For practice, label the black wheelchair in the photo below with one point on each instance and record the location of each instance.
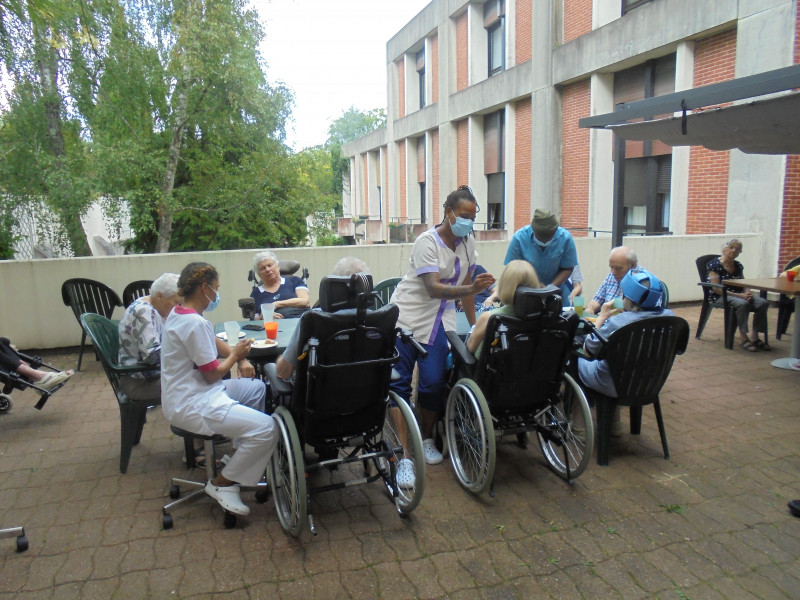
(11, 380)
(340, 404)
(518, 385)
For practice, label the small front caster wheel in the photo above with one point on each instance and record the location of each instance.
(262, 496)
(166, 521)
(5, 403)
(22, 543)
(174, 492)
(229, 521)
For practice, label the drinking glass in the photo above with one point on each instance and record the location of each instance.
(232, 331)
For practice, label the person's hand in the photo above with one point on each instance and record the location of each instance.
(488, 302)
(607, 309)
(242, 349)
(246, 369)
(748, 295)
(482, 281)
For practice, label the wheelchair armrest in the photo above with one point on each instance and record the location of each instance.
(460, 349)
(280, 386)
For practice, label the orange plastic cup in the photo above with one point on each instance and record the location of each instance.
(790, 275)
(271, 329)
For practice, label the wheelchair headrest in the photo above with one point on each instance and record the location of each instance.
(535, 302)
(337, 292)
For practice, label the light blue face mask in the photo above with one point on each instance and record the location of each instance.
(462, 227)
(212, 304)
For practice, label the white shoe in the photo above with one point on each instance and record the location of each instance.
(432, 454)
(405, 476)
(228, 498)
(617, 428)
(51, 380)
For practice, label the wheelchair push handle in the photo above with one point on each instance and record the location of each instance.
(408, 337)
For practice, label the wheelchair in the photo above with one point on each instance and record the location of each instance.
(11, 380)
(518, 385)
(341, 405)
(287, 267)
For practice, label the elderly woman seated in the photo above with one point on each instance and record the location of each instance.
(140, 338)
(289, 295)
(515, 274)
(743, 301)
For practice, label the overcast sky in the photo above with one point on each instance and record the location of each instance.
(332, 54)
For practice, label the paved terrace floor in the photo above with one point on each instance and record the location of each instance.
(711, 522)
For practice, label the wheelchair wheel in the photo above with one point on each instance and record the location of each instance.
(470, 436)
(400, 424)
(287, 475)
(5, 403)
(566, 431)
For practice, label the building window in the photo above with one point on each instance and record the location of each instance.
(421, 178)
(494, 22)
(494, 168)
(647, 195)
(648, 165)
(421, 76)
(629, 5)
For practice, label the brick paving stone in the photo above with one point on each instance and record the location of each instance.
(96, 533)
(422, 574)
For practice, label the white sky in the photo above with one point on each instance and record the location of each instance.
(332, 54)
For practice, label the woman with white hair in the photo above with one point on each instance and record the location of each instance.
(140, 337)
(289, 295)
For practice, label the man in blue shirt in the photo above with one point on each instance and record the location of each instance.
(548, 247)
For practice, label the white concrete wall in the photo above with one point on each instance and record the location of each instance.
(33, 315)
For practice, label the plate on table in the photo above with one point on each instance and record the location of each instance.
(224, 336)
(264, 344)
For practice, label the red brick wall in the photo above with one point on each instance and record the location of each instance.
(435, 175)
(522, 166)
(401, 159)
(790, 217)
(714, 61)
(462, 153)
(577, 18)
(575, 156)
(365, 171)
(462, 52)
(435, 68)
(524, 31)
(401, 88)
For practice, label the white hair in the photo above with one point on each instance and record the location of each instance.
(261, 257)
(348, 265)
(166, 285)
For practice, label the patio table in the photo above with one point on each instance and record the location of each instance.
(286, 328)
(779, 285)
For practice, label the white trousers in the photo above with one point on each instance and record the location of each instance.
(253, 432)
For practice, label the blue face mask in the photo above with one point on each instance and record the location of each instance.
(212, 304)
(461, 227)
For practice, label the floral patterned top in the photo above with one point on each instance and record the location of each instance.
(715, 265)
(140, 338)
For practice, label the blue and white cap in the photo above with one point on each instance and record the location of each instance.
(646, 297)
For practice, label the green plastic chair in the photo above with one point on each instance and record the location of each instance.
(385, 289)
(105, 337)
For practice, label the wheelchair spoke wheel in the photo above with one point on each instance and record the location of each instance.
(401, 434)
(287, 475)
(470, 436)
(566, 431)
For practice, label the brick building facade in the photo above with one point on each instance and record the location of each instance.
(488, 93)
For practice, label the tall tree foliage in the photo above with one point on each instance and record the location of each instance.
(162, 103)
